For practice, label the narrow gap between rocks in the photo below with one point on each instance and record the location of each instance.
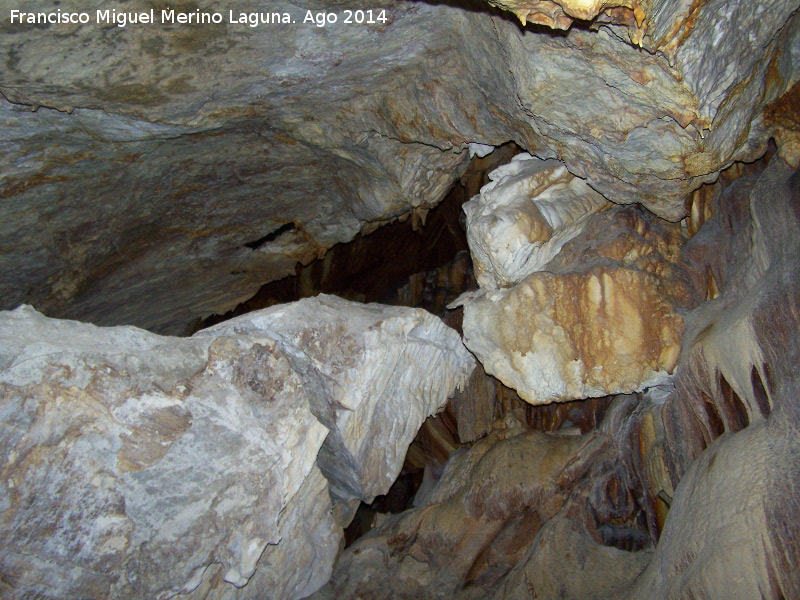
(423, 261)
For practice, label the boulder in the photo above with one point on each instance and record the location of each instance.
(600, 317)
(141, 466)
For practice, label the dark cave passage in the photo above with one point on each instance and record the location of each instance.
(421, 260)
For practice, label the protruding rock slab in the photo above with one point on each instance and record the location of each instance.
(132, 462)
(602, 319)
(383, 370)
(205, 182)
(140, 466)
(521, 220)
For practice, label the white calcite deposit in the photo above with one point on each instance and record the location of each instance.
(141, 466)
(578, 298)
(523, 217)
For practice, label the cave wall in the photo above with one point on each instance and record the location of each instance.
(687, 490)
(155, 174)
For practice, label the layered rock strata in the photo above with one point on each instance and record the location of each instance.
(140, 466)
(154, 174)
(732, 424)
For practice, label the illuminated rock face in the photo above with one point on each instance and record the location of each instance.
(584, 309)
(520, 220)
(388, 369)
(686, 491)
(575, 336)
(139, 188)
(152, 175)
(141, 466)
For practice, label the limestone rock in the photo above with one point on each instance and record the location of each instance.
(781, 118)
(476, 524)
(725, 519)
(140, 466)
(520, 220)
(569, 564)
(732, 423)
(132, 462)
(520, 514)
(141, 189)
(473, 406)
(381, 369)
(730, 428)
(601, 319)
(732, 528)
(559, 14)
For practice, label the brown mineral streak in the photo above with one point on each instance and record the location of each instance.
(609, 318)
(670, 43)
(147, 444)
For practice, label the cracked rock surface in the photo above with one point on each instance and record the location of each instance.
(686, 491)
(141, 466)
(154, 175)
(579, 298)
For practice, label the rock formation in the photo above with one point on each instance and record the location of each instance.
(521, 220)
(663, 499)
(139, 466)
(158, 173)
(633, 297)
(735, 411)
(578, 299)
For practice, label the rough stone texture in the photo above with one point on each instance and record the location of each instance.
(732, 424)
(381, 370)
(155, 174)
(600, 318)
(473, 406)
(523, 509)
(140, 466)
(520, 220)
(782, 120)
(559, 14)
(474, 526)
(132, 462)
(729, 439)
(526, 515)
(590, 572)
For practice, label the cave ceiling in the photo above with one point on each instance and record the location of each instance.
(154, 174)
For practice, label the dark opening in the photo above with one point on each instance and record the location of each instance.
(714, 421)
(761, 396)
(270, 237)
(400, 263)
(732, 407)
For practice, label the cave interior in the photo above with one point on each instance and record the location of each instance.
(424, 299)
